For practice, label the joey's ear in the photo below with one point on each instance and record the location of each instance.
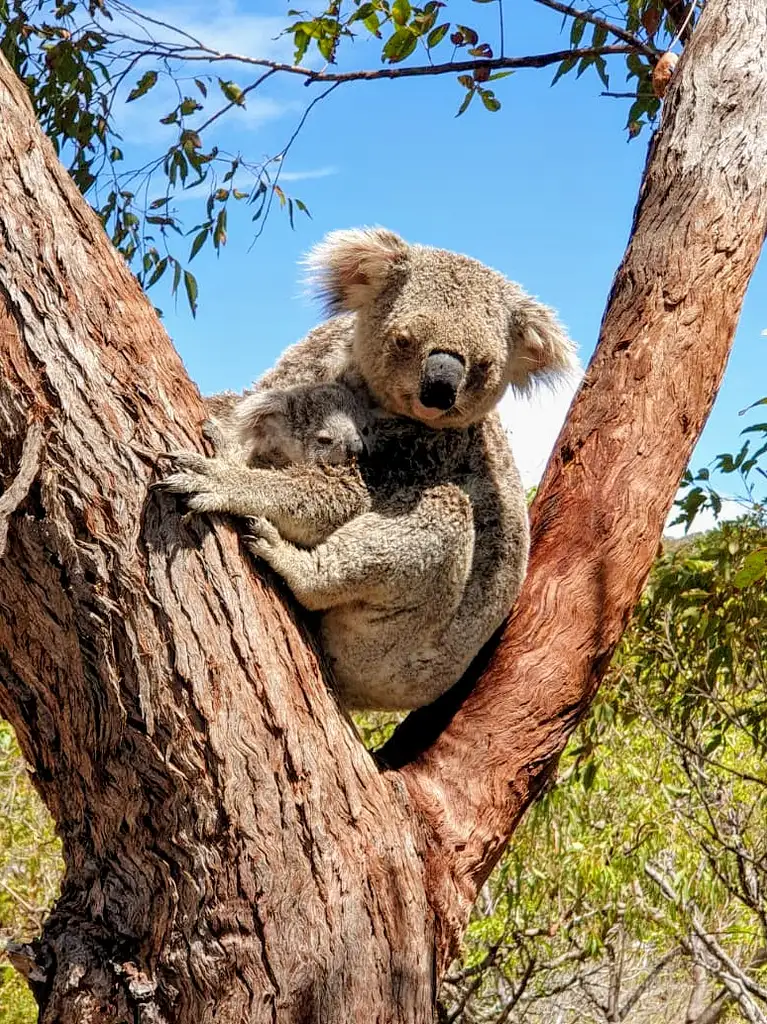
(250, 413)
(540, 351)
(348, 268)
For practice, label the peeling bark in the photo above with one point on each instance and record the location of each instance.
(231, 850)
(232, 853)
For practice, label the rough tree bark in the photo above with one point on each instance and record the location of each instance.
(232, 853)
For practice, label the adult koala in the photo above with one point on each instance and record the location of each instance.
(418, 558)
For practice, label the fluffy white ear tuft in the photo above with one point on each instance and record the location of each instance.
(540, 352)
(349, 268)
(250, 413)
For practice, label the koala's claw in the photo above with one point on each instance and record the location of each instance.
(191, 461)
(260, 528)
(262, 537)
(197, 479)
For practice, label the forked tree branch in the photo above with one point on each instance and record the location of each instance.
(477, 760)
(228, 841)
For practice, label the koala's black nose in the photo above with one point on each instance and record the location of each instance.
(441, 380)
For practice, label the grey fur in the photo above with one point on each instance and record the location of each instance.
(321, 424)
(416, 555)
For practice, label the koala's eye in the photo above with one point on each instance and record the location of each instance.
(478, 374)
(365, 431)
(402, 342)
(324, 440)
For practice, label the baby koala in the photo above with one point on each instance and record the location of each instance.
(310, 424)
(386, 566)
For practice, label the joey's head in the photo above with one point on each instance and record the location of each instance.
(438, 336)
(312, 423)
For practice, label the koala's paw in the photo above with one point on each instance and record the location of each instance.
(262, 539)
(213, 432)
(203, 482)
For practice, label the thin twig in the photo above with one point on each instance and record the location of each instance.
(707, 940)
(678, 13)
(683, 26)
(620, 33)
(539, 60)
(283, 153)
(237, 102)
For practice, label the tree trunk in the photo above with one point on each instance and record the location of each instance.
(232, 852)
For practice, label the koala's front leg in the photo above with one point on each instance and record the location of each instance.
(305, 503)
(404, 557)
(322, 577)
(299, 567)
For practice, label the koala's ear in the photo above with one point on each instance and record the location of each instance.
(539, 349)
(349, 268)
(250, 413)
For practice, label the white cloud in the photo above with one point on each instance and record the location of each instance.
(534, 424)
(139, 123)
(318, 172)
(221, 26)
(247, 181)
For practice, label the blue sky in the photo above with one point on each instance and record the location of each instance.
(543, 190)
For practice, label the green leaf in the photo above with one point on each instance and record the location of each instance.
(466, 101)
(488, 98)
(144, 84)
(372, 24)
(190, 284)
(585, 62)
(176, 276)
(576, 32)
(326, 44)
(589, 774)
(601, 66)
(401, 11)
(635, 66)
(400, 45)
(188, 106)
(437, 34)
(232, 91)
(754, 568)
(362, 12)
(761, 401)
(301, 40)
(201, 86)
(198, 243)
(219, 233)
(600, 36)
(564, 67)
(159, 270)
